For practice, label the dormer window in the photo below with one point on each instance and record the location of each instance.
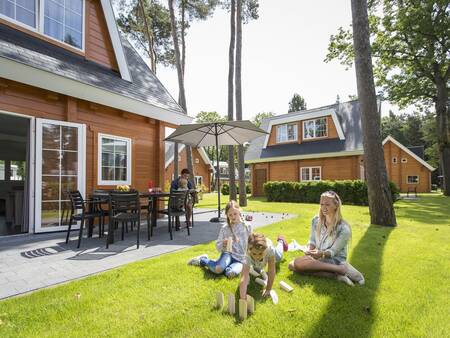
(316, 128)
(22, 12)
(287, 133)
(63, 21)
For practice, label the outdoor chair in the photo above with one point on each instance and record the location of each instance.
(147, 205)
(175, 208)
(88, 212)
(124, 207)
(102, 197)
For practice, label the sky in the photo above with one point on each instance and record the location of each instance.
(282, 54)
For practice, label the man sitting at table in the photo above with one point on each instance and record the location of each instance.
(175, 186)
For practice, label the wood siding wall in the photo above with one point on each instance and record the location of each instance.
(146, 134)
(399, 172)
(98, 42)
(200, 169)
(333, 168)
(349, 168)
(332, 132)
(98, 45)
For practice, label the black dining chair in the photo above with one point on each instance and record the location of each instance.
(124, 207)
(81, 210)
(192, 198)
(176, 207)
(147, 205)
(101, 196)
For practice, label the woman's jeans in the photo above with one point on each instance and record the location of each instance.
(225, 264)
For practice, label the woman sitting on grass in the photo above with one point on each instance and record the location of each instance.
(229, 263)
(326, 253)
(261, 252)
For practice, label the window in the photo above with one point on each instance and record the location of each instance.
(17, 171)
(21, 11)
(310, 174)
(315, 128)
(394, 160)
(114, 158)
(2, 170)
(197, 161)
(287, 132)
(404, 160)
(198, 181)
(63, 21)
(412, 180)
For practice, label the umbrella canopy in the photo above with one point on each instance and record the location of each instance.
(213, 133)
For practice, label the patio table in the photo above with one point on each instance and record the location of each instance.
(153, 197)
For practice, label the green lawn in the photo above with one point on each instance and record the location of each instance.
(406, 293)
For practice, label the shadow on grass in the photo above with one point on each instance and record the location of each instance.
(427, 210)
(350, 310)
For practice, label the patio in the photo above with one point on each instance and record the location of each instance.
(32, 262)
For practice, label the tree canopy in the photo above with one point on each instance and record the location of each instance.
(297, 103)
(411, 49)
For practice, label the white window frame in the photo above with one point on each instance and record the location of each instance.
(404, 160)
(408, 182)
(310, 174)
(100, 181)
(83, 20)
(21, 24)
(394, 160)
(284, 128)
(314, 130)
(198, 180)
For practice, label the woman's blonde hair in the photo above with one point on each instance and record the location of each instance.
(257, 241)
(337, 219)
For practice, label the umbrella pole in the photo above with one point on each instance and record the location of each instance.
(217, 219)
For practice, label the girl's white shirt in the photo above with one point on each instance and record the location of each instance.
(239, 233)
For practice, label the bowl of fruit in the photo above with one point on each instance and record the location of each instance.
(123, 188)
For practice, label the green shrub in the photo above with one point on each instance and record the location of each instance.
(226, 189)
(351, 192)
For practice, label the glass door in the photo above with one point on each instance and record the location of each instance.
(60, 149)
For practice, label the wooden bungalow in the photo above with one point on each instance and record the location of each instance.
(79, 109)
(326, 144)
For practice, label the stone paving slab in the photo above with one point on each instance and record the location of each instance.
(34, 261)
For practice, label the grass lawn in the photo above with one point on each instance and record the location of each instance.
(407, 291)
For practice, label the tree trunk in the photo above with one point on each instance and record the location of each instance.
(443, 128)
(151, 41)
(182, 96)
(380, 200)
(231, 167)
(241, 164)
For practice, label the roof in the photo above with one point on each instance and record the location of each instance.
(170, 147)
(349, 120)
(409, 152)
(29, 60)
(418, 150)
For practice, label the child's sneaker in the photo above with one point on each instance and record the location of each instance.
(285, 244)
(196, 260)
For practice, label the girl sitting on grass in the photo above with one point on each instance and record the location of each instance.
(326, 253)
(261, 252)
(229, 263)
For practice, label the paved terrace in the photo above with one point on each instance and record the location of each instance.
(31, 262)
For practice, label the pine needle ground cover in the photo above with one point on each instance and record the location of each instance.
(406, 293)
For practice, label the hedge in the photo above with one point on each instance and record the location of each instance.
(226, 189)
(351, 192)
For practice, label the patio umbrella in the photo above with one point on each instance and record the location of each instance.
(213, 134)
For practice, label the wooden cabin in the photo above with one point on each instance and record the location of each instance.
(79, 109)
